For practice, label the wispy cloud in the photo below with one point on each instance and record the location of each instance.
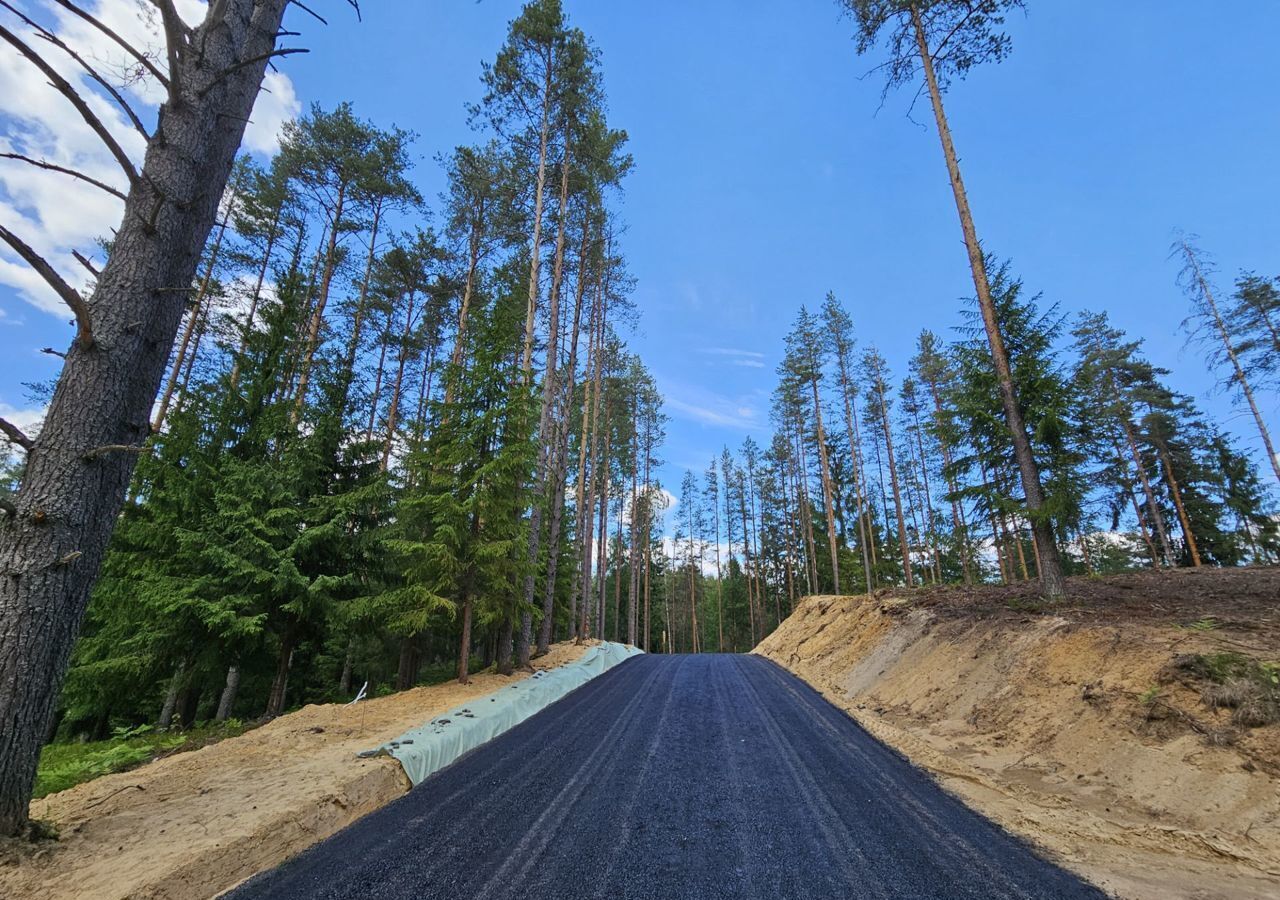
(696, 403)
(734, 356)
(731, 351)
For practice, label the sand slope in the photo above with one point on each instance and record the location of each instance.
(194, 824)
(1047, 723)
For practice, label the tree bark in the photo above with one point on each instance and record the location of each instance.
(171, 696)
(1051, 570)
(227, 701)
(280, 684)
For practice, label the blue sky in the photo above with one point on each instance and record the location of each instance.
(766, 176)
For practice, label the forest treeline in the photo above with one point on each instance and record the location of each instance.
(391, 428)
(871, 480)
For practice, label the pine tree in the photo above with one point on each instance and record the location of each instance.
(919, 32)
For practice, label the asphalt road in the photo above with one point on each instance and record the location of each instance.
(675, 777)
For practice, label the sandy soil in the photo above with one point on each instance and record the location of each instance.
(1072, 725)
(192, 825)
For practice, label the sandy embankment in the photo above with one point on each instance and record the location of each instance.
(1067, 729)
(194, 824)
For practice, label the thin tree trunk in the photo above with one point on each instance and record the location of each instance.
(1225, 336)
(393, 408)
(348, 668)
(322, 300)
(197, 307)
(560, 458)
(1157, 518)
(746, 555)
(893, 479)
(361, 310)
(928, 497)
(602, 563)
(957, 512)
(1051, 571)
(1176, 493)
(548, 399)
(176, 684)
(468, 603)
(633, 540)
(227, 701)
(855, 452)
(827, 501)
(256, 297)
(464, 310)
(280, 684)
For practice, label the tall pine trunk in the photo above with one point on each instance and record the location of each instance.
(1051, 571)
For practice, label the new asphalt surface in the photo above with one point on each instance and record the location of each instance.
(673, 777)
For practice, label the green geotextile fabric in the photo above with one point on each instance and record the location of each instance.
(429, 748)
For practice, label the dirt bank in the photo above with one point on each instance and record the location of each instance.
(197, 823)
(1119, 731)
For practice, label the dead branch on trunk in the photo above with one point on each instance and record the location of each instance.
(69, 295)
(285, 51)
(42, 164)
(84, 261)
(142, 58)
(64, 87)
(93, 73)
(175, 39)
(15, 434)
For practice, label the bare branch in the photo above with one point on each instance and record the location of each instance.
(287, 51)
(310, 11)
(52, 38)
(175, 43)
(64, 87)
(42, 164)
(84, 261)
(14, 433)
(69, 295)
(52, 352)
(129, 48)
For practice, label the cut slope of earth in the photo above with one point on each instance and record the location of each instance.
(194, 824)
(1094, 727)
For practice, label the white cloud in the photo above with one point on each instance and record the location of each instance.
(277, 104)
(731, 351)
(50, 211)
(698, 404)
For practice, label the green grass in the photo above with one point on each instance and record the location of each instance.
(64, 766)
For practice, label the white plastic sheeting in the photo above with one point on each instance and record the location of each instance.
(429, 748)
